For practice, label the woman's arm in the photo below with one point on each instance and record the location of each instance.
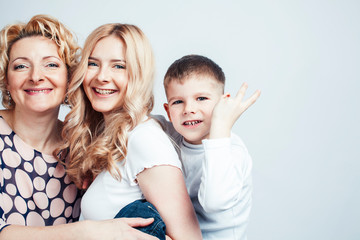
(121, 228)
(164, 187)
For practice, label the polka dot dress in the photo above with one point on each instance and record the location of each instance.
(35, 190)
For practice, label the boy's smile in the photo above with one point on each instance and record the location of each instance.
(190, 105)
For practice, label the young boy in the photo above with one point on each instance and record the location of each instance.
(216, 163)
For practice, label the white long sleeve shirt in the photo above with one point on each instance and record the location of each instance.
(218, 179)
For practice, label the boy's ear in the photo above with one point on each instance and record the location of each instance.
(166, 107)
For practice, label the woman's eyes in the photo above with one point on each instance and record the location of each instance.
(20, 66)
(92, 64)
(53, 65)
(118, 66)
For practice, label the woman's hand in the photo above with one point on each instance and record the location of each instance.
(120, 228)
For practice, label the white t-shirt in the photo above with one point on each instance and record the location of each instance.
(148, 146)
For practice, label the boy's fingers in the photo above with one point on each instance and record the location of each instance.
(252, 99)
(241, 93)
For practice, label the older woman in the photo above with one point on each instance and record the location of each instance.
(37, 197)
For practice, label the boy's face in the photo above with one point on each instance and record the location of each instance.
(190, 105)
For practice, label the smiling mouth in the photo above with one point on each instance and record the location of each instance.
(191, 123)
(37, 91)
(104, 91)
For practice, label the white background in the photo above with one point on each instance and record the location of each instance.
(303, 132)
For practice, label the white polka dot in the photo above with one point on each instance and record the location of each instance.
(1, 177)
(57, 206)
(67, 179)
(8, 141)
(68, 211)
(28, 167)
(26, 152)
(34, 219)
(53, 188)
(70, 193)
(7, 203)
(11, 189)
(39, 183)
(59, 221)
(31, 205)
(16, 218)
(24, 183)
(51, 171)
(11, 158)
(20, 204)
(1, 145)
(40, 166)
(59, 171)
(41, 200)
(45, 214)
(7, 173)
(49, 158)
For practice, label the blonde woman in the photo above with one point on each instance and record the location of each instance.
(114, 141)
(37, 198)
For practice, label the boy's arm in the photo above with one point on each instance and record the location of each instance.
(227, 163)
(226, 169)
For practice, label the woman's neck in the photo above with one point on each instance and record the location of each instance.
(41, 131)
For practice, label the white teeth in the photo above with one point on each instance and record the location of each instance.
(37, 91)
(191, 123)
(103, 91)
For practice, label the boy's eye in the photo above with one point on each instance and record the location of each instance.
(201, 98)
(177, 102)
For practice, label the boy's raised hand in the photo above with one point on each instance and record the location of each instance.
(228, 110)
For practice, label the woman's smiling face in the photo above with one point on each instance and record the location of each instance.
(37, 76)
(106, 78)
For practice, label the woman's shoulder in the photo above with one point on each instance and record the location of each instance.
(148, 125)
(149, 132)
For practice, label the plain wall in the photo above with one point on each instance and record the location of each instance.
(303, 132)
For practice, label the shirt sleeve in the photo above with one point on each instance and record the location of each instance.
(226, 167)
(149, 146)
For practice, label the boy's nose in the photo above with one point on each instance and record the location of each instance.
(189, 108)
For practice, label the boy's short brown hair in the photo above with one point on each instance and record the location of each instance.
(190, 65)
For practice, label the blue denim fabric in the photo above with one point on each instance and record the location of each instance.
(144, 209)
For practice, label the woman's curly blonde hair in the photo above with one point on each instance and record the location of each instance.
(39, 25)
(94, 147)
